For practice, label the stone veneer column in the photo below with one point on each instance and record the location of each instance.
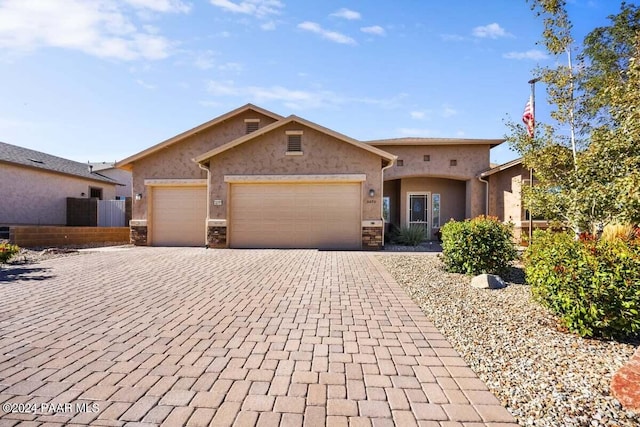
(138, 233)
(372, 235)
(216, 233)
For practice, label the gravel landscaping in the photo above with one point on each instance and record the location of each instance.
(543, 375)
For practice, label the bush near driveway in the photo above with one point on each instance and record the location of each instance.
(7, 251)
(592, 285)
(410, 236)
(477, 246)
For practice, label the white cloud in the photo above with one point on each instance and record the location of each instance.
(231, 66)
(374, 29)
(99, 28)
(491, 31)
(348, 14)
(533, 54)
(204, 60)
(294, 99)
(447, 111)
(257, 8)
(333, 36)
(452, 37)
(418, 115)
(164, 6)
(145, 84)
(416, 132)
(268, 26)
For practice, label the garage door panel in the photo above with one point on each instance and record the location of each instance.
(178, 216)
(303, 215)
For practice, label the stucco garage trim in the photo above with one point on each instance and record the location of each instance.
(174, 182)
(245, 179)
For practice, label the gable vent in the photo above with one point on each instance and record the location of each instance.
(251, 125)
(294, 143)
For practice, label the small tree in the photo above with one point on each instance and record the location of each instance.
(587, 163)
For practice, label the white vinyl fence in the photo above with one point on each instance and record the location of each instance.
(111, 213)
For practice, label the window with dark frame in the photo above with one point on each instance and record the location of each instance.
(426, 158)
(95, 192)
(453, 162)
(400, 162)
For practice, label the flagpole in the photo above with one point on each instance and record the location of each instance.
(532, 82)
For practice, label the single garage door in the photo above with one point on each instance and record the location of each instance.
(178, 217)
(296, 215)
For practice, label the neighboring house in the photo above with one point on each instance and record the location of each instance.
(254, 179)
(123, 177)
(505, 183)
(34, 186)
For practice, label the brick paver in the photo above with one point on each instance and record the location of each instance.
(189, 336)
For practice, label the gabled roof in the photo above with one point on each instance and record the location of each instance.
(501, 167)
(203, 157)
(126, 162)
(436, 141)
(38, 160)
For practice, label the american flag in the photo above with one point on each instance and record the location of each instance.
(527, 117)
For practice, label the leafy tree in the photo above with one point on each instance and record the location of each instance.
(587, 164)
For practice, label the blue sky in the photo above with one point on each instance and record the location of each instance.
(100, 80)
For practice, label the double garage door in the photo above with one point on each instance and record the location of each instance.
(295, 215)
(264, 215)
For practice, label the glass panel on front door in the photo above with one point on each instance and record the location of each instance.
(419, 211)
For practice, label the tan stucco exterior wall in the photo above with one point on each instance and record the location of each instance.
(452, 196)
(323, 155)
(176, 162)
(505, 190)
(36, 197)
(471, 160)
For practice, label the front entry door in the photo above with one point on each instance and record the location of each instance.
(418, 211)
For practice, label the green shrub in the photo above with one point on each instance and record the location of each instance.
(7, 251)
(410, 236)
(592, 285)
(476, 246)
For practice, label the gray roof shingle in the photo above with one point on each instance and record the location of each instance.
(36, 159)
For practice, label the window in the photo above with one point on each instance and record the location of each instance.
(294, 142)
(386, 208)
(426, 158)
(453, 162)
(400, 162)
(435, 210)
(95, 192)
(252, 125)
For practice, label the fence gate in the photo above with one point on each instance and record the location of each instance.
(111, 213)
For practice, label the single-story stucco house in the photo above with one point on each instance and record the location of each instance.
(254, 179)
(34, 186)
(122, 176)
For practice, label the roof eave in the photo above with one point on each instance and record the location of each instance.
(126, 163)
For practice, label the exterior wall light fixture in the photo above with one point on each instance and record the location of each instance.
(138, 196)
(372, 192)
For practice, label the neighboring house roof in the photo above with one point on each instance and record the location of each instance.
(435, 141)
(37, 160)
(501, 167)
(126, 162)
(203, 157)
(100, 166)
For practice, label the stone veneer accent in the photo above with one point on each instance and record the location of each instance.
(138, 235)
(216, 237)
(372, 238)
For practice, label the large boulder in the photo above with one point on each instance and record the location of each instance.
(488, 281)
(625, 384)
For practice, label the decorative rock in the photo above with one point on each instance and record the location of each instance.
(625, 384)
(487, 281)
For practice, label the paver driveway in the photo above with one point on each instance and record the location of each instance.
(218, 337)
